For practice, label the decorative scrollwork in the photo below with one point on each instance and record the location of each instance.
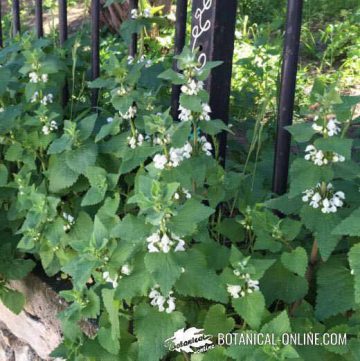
(201, 28)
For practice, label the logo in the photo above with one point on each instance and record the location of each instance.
(191, 340)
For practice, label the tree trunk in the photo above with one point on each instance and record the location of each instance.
(114, 15)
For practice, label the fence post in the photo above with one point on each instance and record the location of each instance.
(95, 41)
(16, 17)
(287, 95)
(180, 38)
(63, 34)
(1, 29)
(134, 5)
(39, 18)
(213, 32)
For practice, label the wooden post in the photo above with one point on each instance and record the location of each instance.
(16, 17)
(39, 18)
(213, 32)
(287, 95)
(95, 46)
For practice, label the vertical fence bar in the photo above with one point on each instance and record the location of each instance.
(213, 32)
(1, 29)
(63, 34)
(16, 17)
(134, 5)
(95, 42)
(180, 38)
(39, 18)
(287, 95)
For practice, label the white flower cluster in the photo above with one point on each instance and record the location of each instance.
(186, 115)
(47, 129)
(328, 202)
(318, 157)
(135, 13)
(136, 140)
(35, 78)
(185, 192)
(130, 113)
(161, 242)
(206, 146)
(176, 156)
(125, 270)
(330, 129)
(166, 139)
(192, 87)
(45, 99)
(237, 291)
(166, 304)
(70, 221)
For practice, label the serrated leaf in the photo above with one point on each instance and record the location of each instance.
(335, 293)
(164, 268)
(302, 132)
(86, 126)
(278, 325)
(191, 102)
(112, 308)
(12, 299)
(60, 175)
(216, 321)
(132, 229)
(251, 308)
(3, 175)
(279, 283)
(321, 225)
(335, 144)
(106, 340)
(152, 328)
(199, 280)
(350, 226)
(78, 160)
(186, 221)
(305, 175)
(354, 261)
(295, 261)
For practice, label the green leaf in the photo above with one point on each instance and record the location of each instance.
(335, 289)
(213, 127)
(305, 175)
(173, 76)
(106, 340)
(280, 284)
(132, 229)
(335, 144)
(152, 328)
(186, 221)
(302, 132)
(278, 325)
(3, 175)
(60, 145)
(295, 261)
(251, 308)
(86, 126)
(13, 300)
(354, 261)
(112, 308)
(164, 268)
(216, 321)
(80, 270)
(60, 175)
(191, 102)
(321, 225)
(199, 280)
(350, 226)
(78, 160)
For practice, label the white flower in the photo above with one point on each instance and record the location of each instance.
(206, 146)
(176, 196)
(47, 99)
(2, 110)
(160, 161)
(185, 114)
(177, 155)
(109, 120)
(113, 281)
(130, 114)
(44, 78)
(331, 128)
(187, 193)
(163, 303)
(192, 87)
(45, 129)
(134, 14)
(328, 202)
(33, 77)
(147, 13)
(234, 290)
(130, 60)
(164, 243)
(35, 97)
(318, 157)
(206, 110)
(126, 270)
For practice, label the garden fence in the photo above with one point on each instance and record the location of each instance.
(213, 30)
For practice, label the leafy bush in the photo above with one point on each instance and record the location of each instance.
(154, 234)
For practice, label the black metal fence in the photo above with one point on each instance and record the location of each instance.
(213, 29)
